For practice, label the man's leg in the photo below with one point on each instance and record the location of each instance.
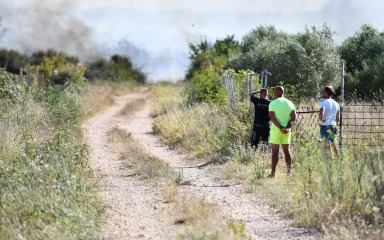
(325, 137)
(265, 136)
(334, 140)
(334, 146)
(288, 158)
(255, 137)
(275, 158)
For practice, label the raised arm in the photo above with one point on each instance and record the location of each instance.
(253, 93)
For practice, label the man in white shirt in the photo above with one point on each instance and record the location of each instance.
(329, 117)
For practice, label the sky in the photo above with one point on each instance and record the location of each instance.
(155, 33)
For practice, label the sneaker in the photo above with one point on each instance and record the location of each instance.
(289, 175)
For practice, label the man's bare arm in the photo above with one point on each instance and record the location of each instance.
(274, 120)
(253, 93)
(337, 118)
(321, 114)
(292, 120)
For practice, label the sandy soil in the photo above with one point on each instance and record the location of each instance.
(133, 206)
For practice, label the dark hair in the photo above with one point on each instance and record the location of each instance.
(329, 90)
(280, 88)
(263, 91)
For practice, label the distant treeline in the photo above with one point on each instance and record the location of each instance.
(117, 68)
(309, 59)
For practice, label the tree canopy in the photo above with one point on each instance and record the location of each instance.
(308, 58)
(364, 60)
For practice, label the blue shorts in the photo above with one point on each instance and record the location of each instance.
(328, 133)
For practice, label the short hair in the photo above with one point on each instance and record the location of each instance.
(263, 91)
(329, 90)
(280, 88)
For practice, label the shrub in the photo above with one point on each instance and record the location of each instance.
(8, 88)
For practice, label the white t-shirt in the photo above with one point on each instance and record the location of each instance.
(330, 110)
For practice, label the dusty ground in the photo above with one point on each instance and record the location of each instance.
(134, 207)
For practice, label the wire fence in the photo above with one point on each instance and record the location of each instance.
(306, 127)
(362, 124)
(40, 77)
(237, 89)
(362, 121)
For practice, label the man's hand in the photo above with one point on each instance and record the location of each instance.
(284, 130)
(253, 93)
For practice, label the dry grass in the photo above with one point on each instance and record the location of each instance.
(168, 96)
(149, 166)
(132, 107)
(200, 218)
(99, 95)
(203, 221)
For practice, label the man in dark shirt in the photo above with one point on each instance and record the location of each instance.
(261, 123)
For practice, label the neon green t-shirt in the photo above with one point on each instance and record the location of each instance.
(282, 108)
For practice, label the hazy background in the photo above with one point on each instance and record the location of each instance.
(155, 33)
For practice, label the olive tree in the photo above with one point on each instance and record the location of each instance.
(308, 58)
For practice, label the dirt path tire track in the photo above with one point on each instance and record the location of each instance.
(125, 195)
(132, 206)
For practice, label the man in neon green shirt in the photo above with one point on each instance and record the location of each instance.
(282, 114)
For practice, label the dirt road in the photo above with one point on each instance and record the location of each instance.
(133, 206)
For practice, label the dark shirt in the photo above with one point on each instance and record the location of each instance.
(261, 111)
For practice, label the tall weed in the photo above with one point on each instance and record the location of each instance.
(205, 129)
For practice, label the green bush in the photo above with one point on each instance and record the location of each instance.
(44, 187)
(12, 60)
(120, 68)
(8, 86)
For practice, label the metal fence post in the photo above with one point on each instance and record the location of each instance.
(225, 83)
(21, 75)
(251, 82)
(29, 77)
(342, 104)
(232, 91)
(248, 88)
(264, 76)
(37, 75)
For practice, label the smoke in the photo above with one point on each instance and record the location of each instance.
(39, 25)
(156, 33)
(2, 30)
(166, 64)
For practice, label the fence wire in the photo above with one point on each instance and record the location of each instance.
(306, 127)
(363, 124)
(362, 120)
